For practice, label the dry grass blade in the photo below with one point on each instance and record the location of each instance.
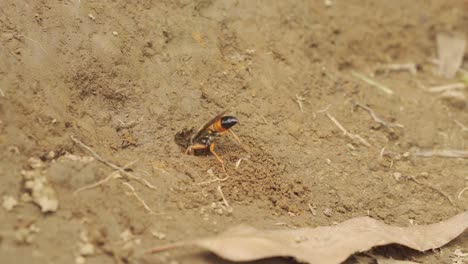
(346, 133)
(112, 165)
(375, 117)
(463, 127)
(326, 244)
(377, 85)
(446, 87)
(444, 153)
(435, 189)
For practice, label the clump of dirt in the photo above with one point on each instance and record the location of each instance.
(262, 178)
(94, 80)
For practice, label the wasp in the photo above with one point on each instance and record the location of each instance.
(201, 142)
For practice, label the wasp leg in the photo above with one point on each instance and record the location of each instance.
(190, 149)
(218, 158)
(238, 140)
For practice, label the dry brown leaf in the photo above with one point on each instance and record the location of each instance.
(327, 244)
(450, 49)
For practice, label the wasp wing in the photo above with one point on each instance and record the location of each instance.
(206, 125)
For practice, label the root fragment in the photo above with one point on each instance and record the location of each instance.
(138, 197)
(446, 196)
(375, 117)
(348, 134)
(112, 165)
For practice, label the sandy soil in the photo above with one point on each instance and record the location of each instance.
(124, 76)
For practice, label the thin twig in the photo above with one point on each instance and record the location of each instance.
(410, 67)
(373, 83)
(435, 189)
(138, 197)
(264, 120)
(112, 165)
(324, 109)
(112, 175)
(312, 209)
(299, 100)
(446, 87)
(444, 153)
(2, 93)
(463, 127)
(346, 133)
(130, 124)
(222, 196)
(375, 117)
(461, 193)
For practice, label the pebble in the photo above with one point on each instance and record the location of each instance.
(328, 212)
(455, 99)
(397, 176)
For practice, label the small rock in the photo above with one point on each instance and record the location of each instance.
(9, 202)
(50, 155)
(91, 17)
(455, 99)
(39, 188)
(115, 33)
(35, 163)
(397, 176)
(87, 249)
(328, 212)
(294, 129)
(158, 235)
(80, 260)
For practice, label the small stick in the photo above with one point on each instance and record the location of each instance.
(113, 175)
(264, 120)
(138, 197)
(2, 93)
(375, 117)
(435, 189)
(373, 83)
(130, 124)
(167, 247)
(447, 87)
(461, 193)
(324, 109)
(222, 196)
(444, 153)
(312, 209)
(346, 133)
(411, 67)
(112, 165)
(238, 162)
(299, 100)
(382, 152)
(463, 127)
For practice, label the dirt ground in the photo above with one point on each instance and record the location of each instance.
(124, 76)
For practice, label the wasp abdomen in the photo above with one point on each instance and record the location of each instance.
(224, 123)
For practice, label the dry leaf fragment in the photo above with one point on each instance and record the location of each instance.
(326, 244)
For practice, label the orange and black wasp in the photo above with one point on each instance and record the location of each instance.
(201, 142)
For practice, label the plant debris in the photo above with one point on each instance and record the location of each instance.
(326, 244)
